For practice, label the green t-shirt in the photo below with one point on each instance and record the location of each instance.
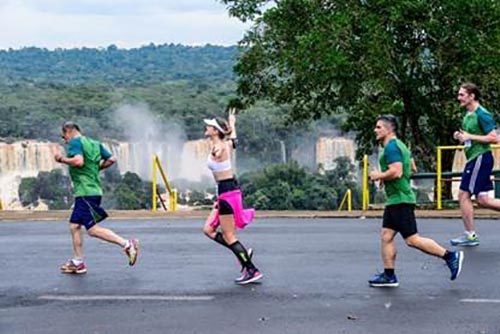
(85, 179)
(397, 190)
(478, 122)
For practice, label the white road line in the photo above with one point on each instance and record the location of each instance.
(71, 298)
(481, 301)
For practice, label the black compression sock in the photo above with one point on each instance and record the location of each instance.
(447, 255)
(220, 239)
(242, 255)
(389, 272)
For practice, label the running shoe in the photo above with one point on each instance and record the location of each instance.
(250, 276)
(132, 251)
(250, 254)
(70, 268)
(381, 280)
(454, 262)
(243, 269)
(465, 240)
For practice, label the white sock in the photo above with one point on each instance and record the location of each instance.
(77, 261)
(127, 244)
(470, 233)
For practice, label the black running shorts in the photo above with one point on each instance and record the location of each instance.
(224, 186)
(401, 218)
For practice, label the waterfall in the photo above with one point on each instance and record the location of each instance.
(330, 148)
(185, 160)
(283, 151)
(23, 159)
(193, 160)
(27, 158)
(137, 157)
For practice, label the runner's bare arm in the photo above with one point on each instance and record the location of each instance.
(107, 163)
(394, 171)
(232, 123)
(490, 138)
(76, 161)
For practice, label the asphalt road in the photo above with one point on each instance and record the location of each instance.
(316, 273)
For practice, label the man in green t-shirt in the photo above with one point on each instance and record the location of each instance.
(477, 134)
(399, 215)
(85, 158)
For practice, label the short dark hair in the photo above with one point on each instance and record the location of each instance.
(389, 119)
(69, 125)
(472, 89)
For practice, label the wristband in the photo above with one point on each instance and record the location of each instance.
(235, 141)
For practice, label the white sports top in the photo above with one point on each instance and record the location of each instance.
(216, 166)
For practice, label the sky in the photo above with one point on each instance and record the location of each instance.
(125, 23)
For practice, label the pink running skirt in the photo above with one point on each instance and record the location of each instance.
(242, 217)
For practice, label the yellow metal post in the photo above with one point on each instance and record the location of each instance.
(162, 174)
(172, 193)
(438, 179)
(366, 191)
(349, 200)
(172, 200)
(153, 195)
(347, 197)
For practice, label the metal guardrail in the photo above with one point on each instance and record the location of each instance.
(439, 176)
(440, 173)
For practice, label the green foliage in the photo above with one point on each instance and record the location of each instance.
(197, 198)
(152, 64)
(131, 193)
(365, 58)
(28, 191)
(45, 98)
(45, 107)
(181, 84)
(291, 187)
(127, 192)
(53, 188)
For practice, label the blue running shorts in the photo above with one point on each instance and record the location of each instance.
(476, 177)
(87, 211)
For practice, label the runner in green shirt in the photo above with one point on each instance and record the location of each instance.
(477, 134)
(399, 215)
(85, 158)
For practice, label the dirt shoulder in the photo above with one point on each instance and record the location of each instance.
(143, 214)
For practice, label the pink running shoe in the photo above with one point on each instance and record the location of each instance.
(251, 276)
(243, 269)
(70, 268)
(132, 251)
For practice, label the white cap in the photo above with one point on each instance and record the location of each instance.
(213, 122)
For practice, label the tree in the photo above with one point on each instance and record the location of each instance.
(290, 187)
(342, 178)
(368, 57)
(132, 193)
(53, 187)
(27, 191)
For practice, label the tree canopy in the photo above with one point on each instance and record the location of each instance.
(365, 58)
(151, 64)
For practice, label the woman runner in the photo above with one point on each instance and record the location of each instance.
(228, 212)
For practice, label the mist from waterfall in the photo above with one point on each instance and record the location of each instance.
(146, 135)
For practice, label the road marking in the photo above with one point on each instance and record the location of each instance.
(71, 298)
(481, 301)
